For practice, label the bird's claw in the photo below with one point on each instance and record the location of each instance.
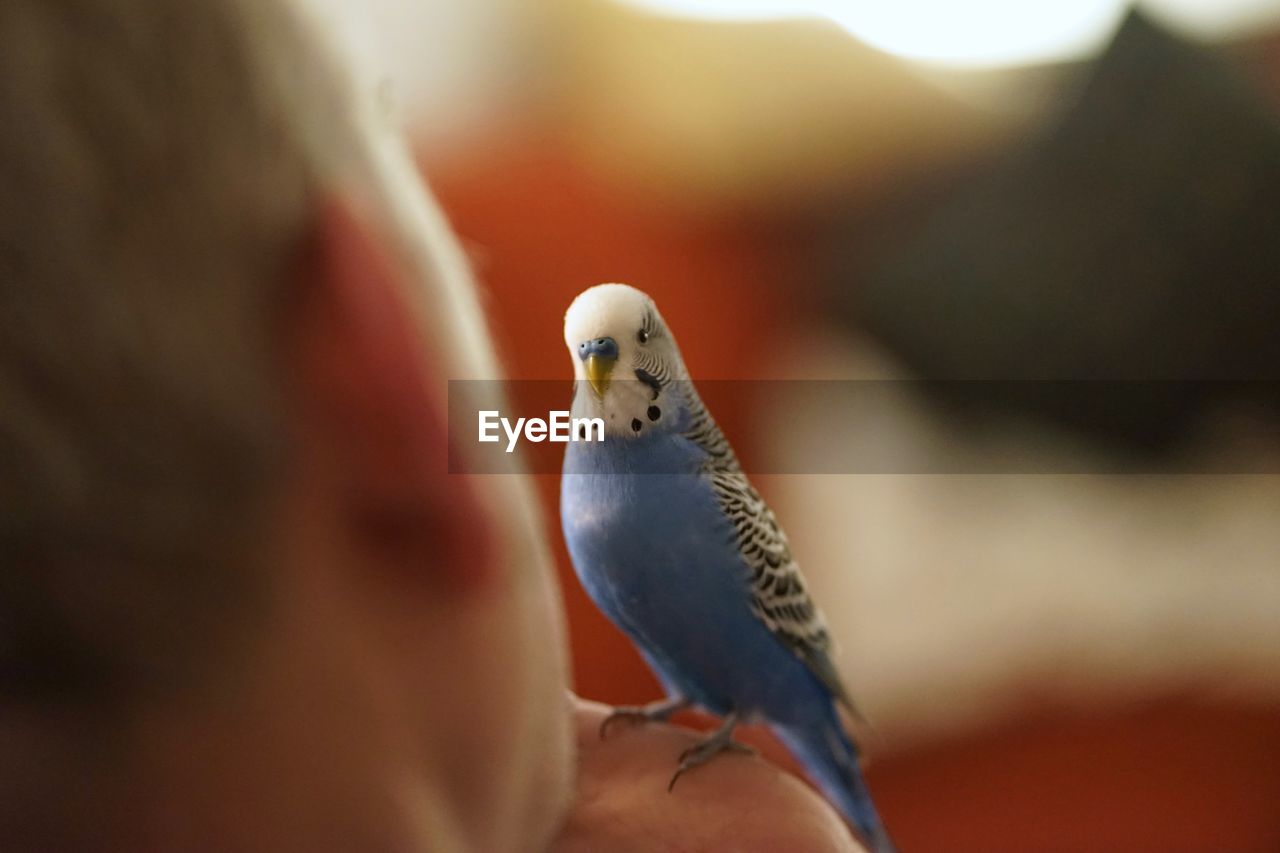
(693, 755)
(708, 748)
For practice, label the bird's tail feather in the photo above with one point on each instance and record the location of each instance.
(832, 760)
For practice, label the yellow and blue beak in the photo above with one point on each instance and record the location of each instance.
(598, 358)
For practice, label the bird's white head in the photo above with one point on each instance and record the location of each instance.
(627, 358)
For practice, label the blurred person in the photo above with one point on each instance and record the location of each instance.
(244, 605)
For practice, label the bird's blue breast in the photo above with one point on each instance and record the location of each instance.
(657, 554)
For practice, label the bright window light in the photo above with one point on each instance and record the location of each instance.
(976, 33)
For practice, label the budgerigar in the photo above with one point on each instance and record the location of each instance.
(674, 544)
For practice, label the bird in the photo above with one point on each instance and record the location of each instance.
(672, 542)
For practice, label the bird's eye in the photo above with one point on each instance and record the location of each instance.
(642, 336)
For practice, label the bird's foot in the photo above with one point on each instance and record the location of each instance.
(654, 712)
(721, 740)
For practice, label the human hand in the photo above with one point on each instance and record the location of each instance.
(734, 803)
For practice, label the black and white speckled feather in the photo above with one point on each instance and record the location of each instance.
(779, 597)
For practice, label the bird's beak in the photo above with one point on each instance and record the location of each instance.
(598, 368)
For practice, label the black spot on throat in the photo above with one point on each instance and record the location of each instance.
(654, 413)
(635, 424)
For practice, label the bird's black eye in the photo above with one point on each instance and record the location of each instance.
(642, 336)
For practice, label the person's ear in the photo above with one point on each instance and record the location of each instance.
(367, 403)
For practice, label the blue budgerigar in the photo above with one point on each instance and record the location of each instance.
(674, 544)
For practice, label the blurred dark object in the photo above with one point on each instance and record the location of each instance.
(1137, 240)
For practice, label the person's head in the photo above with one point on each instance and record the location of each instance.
(242, 599)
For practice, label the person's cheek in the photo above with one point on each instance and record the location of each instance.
(515, 670)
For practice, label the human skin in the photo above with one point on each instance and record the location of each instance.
(400, 682)
(736, 802)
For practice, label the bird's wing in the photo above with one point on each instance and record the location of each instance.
(779, 597)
